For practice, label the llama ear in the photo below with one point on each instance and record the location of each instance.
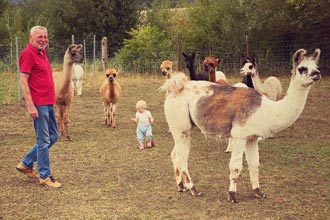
(254, 59)
(79, 46)
(219, 60)
(183, 54)
(193, 55)
(243, 59)
(298, 56)
(316, 55)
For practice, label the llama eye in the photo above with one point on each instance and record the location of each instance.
(251, 67)
(302, 70)
(167, 68)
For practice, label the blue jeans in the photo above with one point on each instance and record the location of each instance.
(46, 131)
(142, 131)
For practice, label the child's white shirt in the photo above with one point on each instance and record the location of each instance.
(143, 118)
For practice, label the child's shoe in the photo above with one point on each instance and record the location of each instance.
(149, 143)
(141, 146)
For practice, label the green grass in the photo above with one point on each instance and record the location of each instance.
(105, 176)
(8, 88)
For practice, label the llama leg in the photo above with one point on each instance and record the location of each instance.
(252, 157)
(105, 113)
(113, 115)
(235, 166)
(180, 156)
(66, 113)
(59, 118)
(79, 87)
(228, 149)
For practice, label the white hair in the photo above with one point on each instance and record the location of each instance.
(38, 27)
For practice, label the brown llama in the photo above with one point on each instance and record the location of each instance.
(110, 92)
(63, 89)
(210, 67)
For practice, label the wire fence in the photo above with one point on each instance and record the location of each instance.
(273, 58)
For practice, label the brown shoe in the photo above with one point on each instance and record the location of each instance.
(51, 182)
(29, 172)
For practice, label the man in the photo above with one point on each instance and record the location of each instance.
(38, 89)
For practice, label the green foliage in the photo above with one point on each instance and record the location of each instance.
(85, 18)
(147, 47)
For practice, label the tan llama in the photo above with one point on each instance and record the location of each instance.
(110, 92)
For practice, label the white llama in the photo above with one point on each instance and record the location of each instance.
(77, 79)
(244, 115)
(271, 87)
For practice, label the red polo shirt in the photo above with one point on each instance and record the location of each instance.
(41, 82)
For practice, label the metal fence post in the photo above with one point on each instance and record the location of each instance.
(94, 64)
(85, 61)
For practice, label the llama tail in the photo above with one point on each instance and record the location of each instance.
(175, 84)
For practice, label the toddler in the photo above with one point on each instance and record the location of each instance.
(144, 119)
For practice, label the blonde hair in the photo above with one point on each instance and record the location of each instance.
(141, 104)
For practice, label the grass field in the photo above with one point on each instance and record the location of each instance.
(105, 176)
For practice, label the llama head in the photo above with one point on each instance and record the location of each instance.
(73, 53)
(111, 74)
(305, 69)
(249, 66)
(211, 64)
(166, 68)
(190, 59)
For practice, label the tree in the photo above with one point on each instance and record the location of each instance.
(85, 18)
(145, 50)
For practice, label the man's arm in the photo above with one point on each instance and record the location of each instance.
(27, 95)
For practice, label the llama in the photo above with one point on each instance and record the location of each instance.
(271, 87)
(63, 88)
(77, 78)
(110, 92)
(244, 115)
(208, 62)
(210, 67)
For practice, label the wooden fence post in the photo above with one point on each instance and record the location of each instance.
(104, 53)
(179, 52)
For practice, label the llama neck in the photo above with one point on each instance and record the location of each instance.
(212, 75)
(278, 115)
(67, 71)
(192, 73)
(247, 80)
(111, 90)
(257, 83)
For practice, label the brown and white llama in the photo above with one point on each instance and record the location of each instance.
(110, 91)
(207, 63)
(244, 115)
(63, 88)
(271, 87)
